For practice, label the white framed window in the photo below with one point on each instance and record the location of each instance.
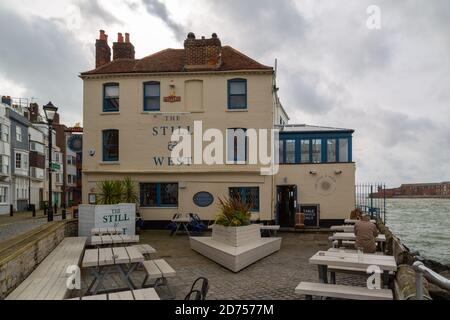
(3, 194)
(19, 133)
(18, 160)
(36, 146)
(4, 131)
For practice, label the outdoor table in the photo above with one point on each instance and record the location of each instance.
(106, 231)
(271, 228)
(113, 240)
(353, 221)
(350, 236)
(323, 259)
(100, 261)
(182, 222)
(343, 228)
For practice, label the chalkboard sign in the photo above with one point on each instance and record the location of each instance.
(312, 214)
(203, 199)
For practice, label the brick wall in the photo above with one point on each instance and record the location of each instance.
(203, 52)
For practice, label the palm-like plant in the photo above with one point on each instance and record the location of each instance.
(110, 192)
(129, 194)
(234, 212)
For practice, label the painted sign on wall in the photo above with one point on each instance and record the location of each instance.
(75, 142)
(103, 216)
(311, 212)
(203, 199)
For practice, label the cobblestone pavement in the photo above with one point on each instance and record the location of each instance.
(272, 278)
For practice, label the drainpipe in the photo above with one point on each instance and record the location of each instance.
(29, 171)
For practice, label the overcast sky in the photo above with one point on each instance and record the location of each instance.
(391, 85)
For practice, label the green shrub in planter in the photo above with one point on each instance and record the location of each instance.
(234, 212)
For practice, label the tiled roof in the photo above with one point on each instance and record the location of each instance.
(172, 60)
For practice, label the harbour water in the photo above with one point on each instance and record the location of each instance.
(423, 225)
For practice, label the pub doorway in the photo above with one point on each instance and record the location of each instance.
(286, 205)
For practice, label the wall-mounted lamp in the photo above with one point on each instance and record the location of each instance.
(338, 171)
(285, 180)
(313, 172)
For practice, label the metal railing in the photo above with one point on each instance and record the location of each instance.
(371, 199)
(435, 278)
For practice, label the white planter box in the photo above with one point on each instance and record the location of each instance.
(103, 216)
(236, 236)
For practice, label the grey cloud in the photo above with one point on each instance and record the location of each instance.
(159, 9)
(261, 26)
(92, 10)
(45, 58)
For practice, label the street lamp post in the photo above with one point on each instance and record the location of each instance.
(50, 111)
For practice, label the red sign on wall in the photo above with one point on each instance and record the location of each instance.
(172, 99)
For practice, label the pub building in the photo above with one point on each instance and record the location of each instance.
(132, 107)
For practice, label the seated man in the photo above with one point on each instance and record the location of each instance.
(366, 233)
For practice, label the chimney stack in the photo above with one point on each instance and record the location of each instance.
(123, 49)
(102, 50)
(34, 112)
(202, 53)
(7, 100)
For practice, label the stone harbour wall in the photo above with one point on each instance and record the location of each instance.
(20, 255)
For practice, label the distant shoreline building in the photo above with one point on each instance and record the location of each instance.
(417, 190)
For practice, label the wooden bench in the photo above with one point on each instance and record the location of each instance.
(352, 251)
(145, 249)
(48, 280)
(158, 270)
(141, 294)
(310, 289)
(345, 244)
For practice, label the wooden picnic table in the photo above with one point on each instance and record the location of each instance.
(343, 228)
(324, 259)
(106, 231)
(271, 228)
(113, 240)
(353, 221)
(350, 236)
(182, 222)
(124, 259)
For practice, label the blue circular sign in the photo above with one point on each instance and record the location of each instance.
(203, 199)
(75, 143)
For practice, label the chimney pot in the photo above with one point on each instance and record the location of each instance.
(102, 35)
(102, 50)
(123, 49)
(214, 35)
(191, 35)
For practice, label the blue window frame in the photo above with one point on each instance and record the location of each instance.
(154, 195)
(111, 100)
(315, 148)
(152, 96)
(110, 145)
(247, 194)
(237, 145)
(237, 94)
